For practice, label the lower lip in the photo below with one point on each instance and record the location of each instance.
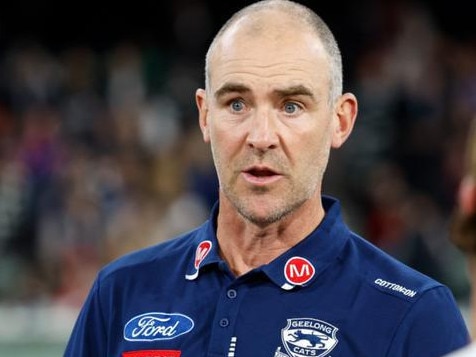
(261, 180)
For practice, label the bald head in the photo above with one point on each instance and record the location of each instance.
(271, 19)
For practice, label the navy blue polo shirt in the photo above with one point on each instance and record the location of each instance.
(333, 294)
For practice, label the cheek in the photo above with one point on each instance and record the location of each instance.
(219, 140)
(223, 148)
(226, 139)
(315, 156)
(316, 143)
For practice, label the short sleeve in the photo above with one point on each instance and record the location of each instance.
(433, 327)
(88, 337)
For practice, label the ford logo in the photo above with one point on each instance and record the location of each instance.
(153, 326)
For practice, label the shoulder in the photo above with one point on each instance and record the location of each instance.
(386, 274)
(153, 260)
(416, 306)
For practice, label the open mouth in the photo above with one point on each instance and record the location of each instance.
(260, 175)
(261, 172)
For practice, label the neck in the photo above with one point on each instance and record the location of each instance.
(246, 246)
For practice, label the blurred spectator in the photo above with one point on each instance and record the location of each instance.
(98, 154)
(464, 219)
(464, 229)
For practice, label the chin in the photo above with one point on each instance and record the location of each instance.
(265, 216)
(263, 209)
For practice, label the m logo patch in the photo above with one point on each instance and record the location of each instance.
(298, 271)
(303, 337)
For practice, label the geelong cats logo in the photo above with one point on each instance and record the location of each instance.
(309, 337)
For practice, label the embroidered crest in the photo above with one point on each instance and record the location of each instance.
(309, 337)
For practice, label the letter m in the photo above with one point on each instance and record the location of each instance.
(299, 271)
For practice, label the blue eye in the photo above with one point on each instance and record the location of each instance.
(291, 108)
(237, 106)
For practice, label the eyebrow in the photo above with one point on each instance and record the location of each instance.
(231, 88)
(294, 91)
(283, 92)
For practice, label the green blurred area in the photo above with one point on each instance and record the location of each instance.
(36, 349)
(35, 330)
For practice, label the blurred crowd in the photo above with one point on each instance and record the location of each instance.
(100, 151)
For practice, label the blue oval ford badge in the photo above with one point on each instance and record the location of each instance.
(153, 326)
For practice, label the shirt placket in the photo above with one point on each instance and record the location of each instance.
(223, 341)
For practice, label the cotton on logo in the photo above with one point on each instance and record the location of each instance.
(202, 250)
(298, 271)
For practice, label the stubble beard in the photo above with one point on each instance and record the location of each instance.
(283, 206)
(286, 200)
(275, 215)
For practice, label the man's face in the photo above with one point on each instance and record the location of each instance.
(268, 119)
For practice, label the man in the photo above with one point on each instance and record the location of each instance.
(463, 233)
(274, 271)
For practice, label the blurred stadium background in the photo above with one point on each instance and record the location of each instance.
(100, 151)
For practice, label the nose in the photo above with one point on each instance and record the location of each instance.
(262, 133)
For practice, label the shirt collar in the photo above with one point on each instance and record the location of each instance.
(302, 264)
(299, 266)
(205, 247)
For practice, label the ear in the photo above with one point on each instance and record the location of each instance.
(345, 112)
(201, 100)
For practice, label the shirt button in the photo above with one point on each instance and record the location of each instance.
(224, 322)
(231, 293)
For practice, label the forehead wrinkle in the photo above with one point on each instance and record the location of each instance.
(233, 82)
(227, 60)
(258, 71)
(280, 92)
